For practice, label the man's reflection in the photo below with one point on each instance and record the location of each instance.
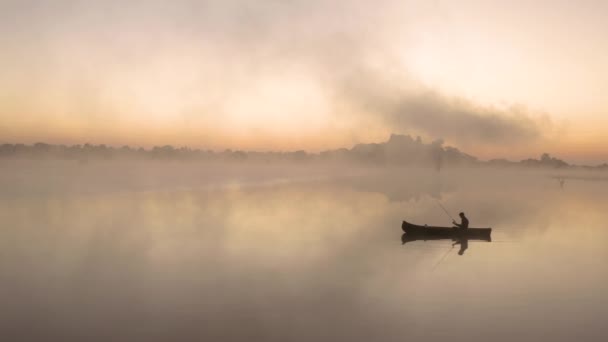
(464, 244)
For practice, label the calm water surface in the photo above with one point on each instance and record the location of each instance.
(303, 259)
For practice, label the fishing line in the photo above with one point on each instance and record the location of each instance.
(441, 260)
(450, 216)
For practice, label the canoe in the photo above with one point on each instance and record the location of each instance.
(416, 232)
(405, 238)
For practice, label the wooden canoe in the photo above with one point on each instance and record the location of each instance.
(416, 232)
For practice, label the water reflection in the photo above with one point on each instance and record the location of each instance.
(464, 244)
(462, 241)
(303, 261)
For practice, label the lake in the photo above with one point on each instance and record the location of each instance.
(193, 252)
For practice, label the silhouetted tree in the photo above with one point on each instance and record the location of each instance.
(437, 154)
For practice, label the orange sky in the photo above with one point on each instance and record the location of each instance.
(308, 74)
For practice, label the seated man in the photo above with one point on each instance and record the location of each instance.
(464, 223)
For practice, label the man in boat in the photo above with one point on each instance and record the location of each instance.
(464, 222)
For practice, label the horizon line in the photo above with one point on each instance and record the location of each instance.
(320, 152)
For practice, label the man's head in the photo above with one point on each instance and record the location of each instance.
(461, 214)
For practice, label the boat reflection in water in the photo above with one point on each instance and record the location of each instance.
(460, 237)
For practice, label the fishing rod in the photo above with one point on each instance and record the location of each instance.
(450, 216)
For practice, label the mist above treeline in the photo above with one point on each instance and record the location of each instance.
(398, 150)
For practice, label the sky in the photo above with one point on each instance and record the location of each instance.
(497, 79)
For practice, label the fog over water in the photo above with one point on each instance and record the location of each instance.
(151, 251)
(237, 170)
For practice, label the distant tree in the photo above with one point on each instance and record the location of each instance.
(437, 154)
(545, 158)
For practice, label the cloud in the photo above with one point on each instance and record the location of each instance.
(462, 120)
(406, 105)
(107, 65)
